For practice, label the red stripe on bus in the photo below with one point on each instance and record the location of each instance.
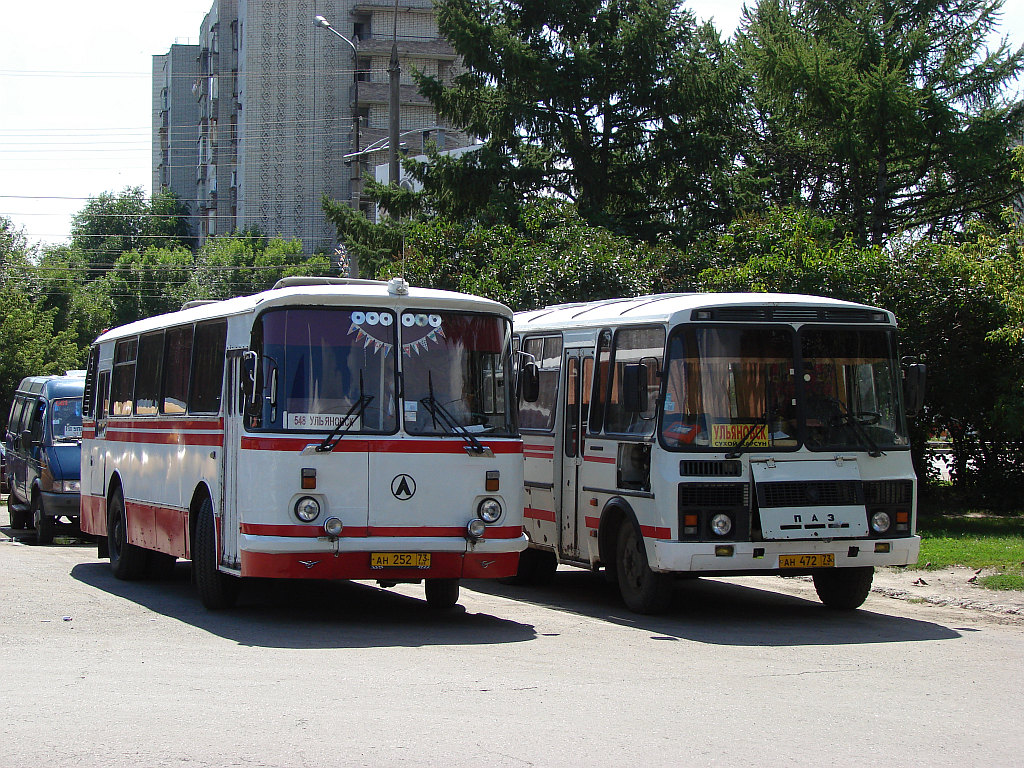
(539, 448)
(600, 459)
(165, 438)
(356, 565)
(648, 531)
(353, 532)
(531, 455)
(545, 515)
(192, 424)
(153, 526)
(353, 445)
(93, 515)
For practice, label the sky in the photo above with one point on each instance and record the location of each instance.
(76, 98)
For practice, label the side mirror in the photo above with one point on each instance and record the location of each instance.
(529, 382)
(634, 387)
(913, 389)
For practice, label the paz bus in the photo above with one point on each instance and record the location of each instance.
(717, 434)
(323, 429)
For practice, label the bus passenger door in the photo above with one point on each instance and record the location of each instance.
(573, 430)
(233, 408)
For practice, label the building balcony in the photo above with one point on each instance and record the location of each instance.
(380, 93)
(419, 47)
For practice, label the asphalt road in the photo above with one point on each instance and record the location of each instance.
(99, 672)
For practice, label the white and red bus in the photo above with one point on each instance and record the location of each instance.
(320, 430)
(717, 434)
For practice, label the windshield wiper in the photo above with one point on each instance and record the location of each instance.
(446, 418)
(347, 420)
(748, 436)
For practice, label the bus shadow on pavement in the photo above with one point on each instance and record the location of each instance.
(721, 612)
(308, 614)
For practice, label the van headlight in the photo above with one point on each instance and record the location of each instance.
(71, 486)
(489, 510)
(307, 509)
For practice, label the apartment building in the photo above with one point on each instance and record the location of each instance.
(288, 113)
(176, 124)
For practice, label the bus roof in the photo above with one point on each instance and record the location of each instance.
(672, 308)
(377, 294)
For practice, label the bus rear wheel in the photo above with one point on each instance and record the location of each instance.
(844, 588)
(127, 561)
(216, 589)
(442, 594)
(643, 590)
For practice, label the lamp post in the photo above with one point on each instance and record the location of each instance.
(320, 21)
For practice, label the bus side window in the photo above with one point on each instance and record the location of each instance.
(123, 381)
(600, 391)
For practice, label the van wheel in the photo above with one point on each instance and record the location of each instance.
(643, 590)
(127, 561)
(44, 524)
(216, 589)
(442, 594)
(844, 588)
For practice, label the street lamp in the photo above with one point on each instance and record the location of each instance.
(320, 21)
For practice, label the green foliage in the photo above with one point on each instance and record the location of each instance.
(887, 116)
(625, 107)
(553, 258)
(112, 224)
(976, 541)
(32, 342)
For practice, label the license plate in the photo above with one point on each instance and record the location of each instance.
(818, 560)
(399, 559)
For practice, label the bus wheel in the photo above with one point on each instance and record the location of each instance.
(442, 594)
(44, 523)
(643, 590)
(216, 589)
(127, 561)
(844, 588)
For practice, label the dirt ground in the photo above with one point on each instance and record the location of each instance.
(948, 587)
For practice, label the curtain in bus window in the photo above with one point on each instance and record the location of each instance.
(207, 368)
(177, 366)
(123, 383)
(147, 379)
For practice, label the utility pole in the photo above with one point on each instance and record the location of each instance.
(394, 72)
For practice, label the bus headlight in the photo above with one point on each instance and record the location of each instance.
(307, 509)
(333, 526)
(489, 510)
(721, 524)
(475, 529)
(880, 522)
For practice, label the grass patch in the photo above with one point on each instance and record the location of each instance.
(975, 541)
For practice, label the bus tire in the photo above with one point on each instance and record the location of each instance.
(642, 590)
(127, 561)
(44, 524)
(843, 588)
(442, 594)
(216, 589)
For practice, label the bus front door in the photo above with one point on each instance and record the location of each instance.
(574, 423)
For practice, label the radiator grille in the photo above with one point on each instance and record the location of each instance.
(695, 468)
(888, 492)
(708, 495)
(833, 493)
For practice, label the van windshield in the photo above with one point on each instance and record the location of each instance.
(66, 419)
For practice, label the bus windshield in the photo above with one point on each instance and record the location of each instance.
(324, 367)
(454, 368)
(755, 388)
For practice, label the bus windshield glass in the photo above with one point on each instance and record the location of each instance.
(749, 388)
(851, 386)
(730, 388)
(455, 374)
(322, 368)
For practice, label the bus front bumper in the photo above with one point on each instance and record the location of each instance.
(764, 556)
(349, 558)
